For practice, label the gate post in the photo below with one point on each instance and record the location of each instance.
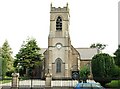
(15, 80)
(48, 80)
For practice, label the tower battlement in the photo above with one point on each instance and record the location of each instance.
(59, 9)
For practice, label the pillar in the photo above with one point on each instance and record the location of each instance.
(48, 79)
(15, 80)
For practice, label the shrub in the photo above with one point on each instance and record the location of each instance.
(9, 73)
(102, 68)
(84, 73)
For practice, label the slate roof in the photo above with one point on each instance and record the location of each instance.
(85, 53)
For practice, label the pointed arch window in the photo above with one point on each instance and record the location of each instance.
(58, 65)
(59, 24)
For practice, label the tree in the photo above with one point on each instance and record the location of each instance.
(7, 59)
(99, 46)
(84, 73)
(29, 56)
(117, 56)
(102, 68)
(0, 62)
(115, 72)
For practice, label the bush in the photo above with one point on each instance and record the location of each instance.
(113, 84)
(115, 73)
(84, 73)
(102, 68)
(9, 73)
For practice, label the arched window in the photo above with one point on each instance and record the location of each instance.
(59, 24)
(58, 65)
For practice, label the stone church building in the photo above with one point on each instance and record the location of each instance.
(61, 58)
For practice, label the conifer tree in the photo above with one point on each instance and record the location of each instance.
(7, 59)
(29, 56)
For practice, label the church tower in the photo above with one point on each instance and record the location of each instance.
(59, 60)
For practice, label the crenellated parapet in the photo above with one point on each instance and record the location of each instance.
(60, 9)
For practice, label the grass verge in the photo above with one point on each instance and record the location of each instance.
(6, 80)
(113, 84)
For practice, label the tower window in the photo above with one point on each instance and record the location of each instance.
(58, 66)
(59, 23)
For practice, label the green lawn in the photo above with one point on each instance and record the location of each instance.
(114, 84)
(5, 81)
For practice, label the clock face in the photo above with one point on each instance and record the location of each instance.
(58, 45)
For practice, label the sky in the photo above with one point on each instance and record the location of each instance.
(91, 21)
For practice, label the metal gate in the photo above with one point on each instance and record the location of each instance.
(31, 83)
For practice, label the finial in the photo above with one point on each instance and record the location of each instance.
(51, 4)
(48, 70)
(67, 5)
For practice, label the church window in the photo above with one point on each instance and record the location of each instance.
(58, 66)
(59, 23)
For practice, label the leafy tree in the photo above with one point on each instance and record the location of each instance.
(102, 68)
(0, 62)
(115, 73)
(7, 59)
(28, 57)
(99, 46)
(117, 56)
(84, 73)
